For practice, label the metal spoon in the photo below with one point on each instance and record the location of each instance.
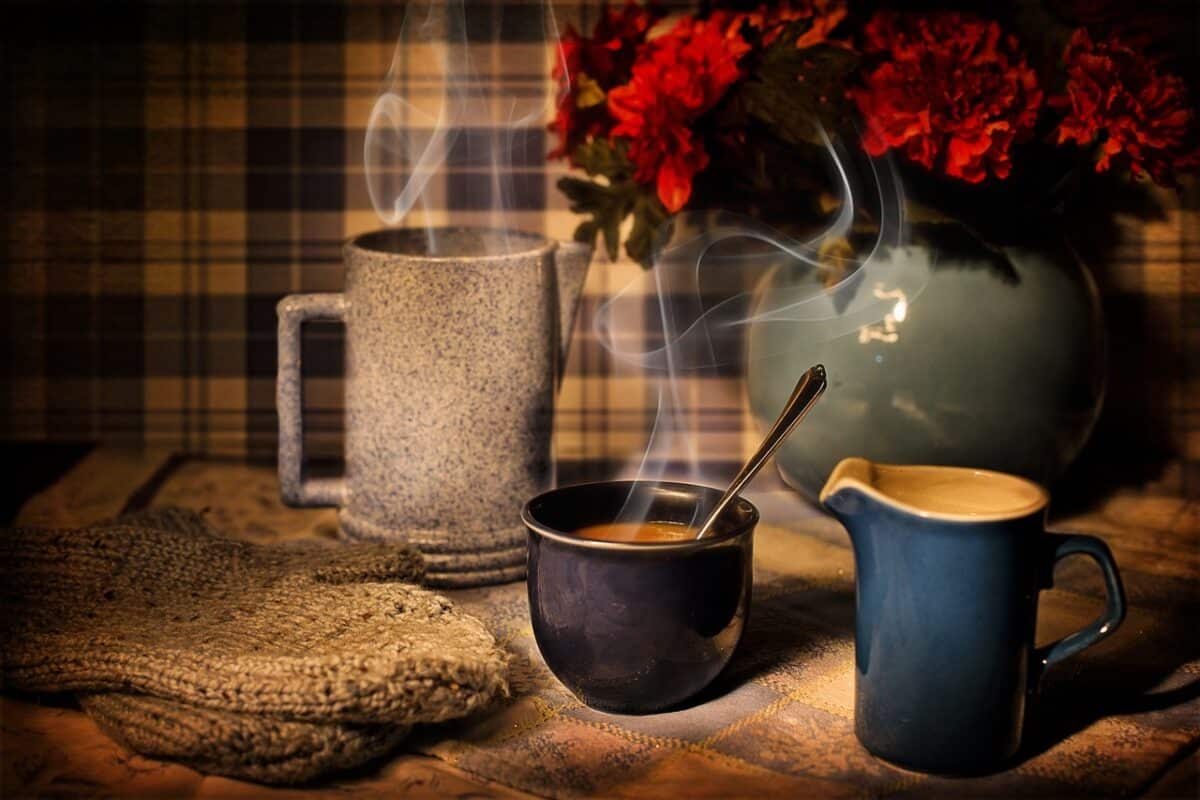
(808, 389)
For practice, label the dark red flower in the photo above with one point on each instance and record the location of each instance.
(771, 18)
(678, 76)
(949, 90)
(589, 66)
(826, 15)
(1141, 117)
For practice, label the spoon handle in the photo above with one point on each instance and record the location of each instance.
(808, 389)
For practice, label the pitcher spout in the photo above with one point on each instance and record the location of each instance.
(571, 260)
(847, 492)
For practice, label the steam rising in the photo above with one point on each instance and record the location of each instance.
(460, 99)
(463, 103)
(703, 282)
(704, 244)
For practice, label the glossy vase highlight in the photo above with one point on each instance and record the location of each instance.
(454, 341)
(991, 363)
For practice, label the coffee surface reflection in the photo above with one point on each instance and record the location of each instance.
(638, 532)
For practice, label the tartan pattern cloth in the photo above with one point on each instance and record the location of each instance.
(173, 169)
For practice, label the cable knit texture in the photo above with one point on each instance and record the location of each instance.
(271, 663)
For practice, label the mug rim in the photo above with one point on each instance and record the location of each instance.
(565, 537)
(540, 245)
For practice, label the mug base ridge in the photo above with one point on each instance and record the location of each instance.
(452, 558)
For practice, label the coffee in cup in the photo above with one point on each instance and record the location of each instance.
(639, 532)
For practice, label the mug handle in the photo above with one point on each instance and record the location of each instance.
(296, 488)
(1114, 613)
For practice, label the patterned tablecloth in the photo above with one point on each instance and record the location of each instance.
(779, 722)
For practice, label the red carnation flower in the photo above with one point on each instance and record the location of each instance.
(1142, 118)
(771, 18)
(589, 67)
(951, 91)
(677, 77)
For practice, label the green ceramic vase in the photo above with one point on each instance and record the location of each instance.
(998, 367)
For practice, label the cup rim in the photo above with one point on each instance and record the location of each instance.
(540, 245)
(566, 538)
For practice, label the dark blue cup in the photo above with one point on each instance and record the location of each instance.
(637, 627)
(949, 563)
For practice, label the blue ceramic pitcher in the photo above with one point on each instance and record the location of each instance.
(949, 563)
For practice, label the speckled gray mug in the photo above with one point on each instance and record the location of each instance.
(454, 340)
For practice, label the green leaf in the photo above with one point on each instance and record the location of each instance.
(589, 94)
(606, 204)
(601, 157)
(586, 232)
(612, 233)
(791, 88)
(649, 217)
(585, 195)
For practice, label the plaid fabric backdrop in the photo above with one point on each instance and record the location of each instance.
(173, 169)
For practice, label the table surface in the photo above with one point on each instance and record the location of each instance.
(48, 747)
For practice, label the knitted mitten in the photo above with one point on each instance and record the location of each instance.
(162, 606)
(256, 747)
(159, 605)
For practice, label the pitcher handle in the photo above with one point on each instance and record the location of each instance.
(296, 488)
(1114, 612)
